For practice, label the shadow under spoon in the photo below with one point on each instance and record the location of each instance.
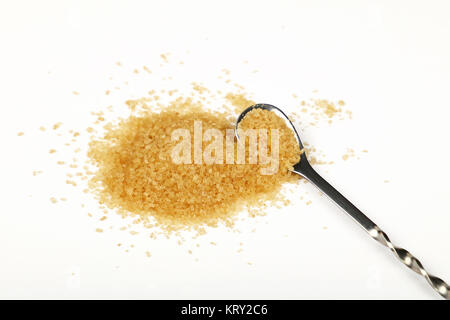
(304, 169)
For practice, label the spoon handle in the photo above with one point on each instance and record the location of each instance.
(305, 169)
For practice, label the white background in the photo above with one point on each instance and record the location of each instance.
(389, 60)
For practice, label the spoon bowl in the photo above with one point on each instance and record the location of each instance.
(268, 107)
(281, 114)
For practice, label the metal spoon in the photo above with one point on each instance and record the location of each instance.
(305, 169)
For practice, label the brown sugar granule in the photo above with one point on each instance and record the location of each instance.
(20, 134)
(350, 154)
(239, 101)
(164, 57)
(146, 69)
(99, 230)
(137, 176)
(327, 107)
(53, 200)
(199, 88)
(73, 183)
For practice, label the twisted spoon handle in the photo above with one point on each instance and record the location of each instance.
(411, 262)
(304, 169)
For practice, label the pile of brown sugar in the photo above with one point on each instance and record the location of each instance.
(136, 174)
(127, 165)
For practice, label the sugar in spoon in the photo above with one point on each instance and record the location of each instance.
(304, 169)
